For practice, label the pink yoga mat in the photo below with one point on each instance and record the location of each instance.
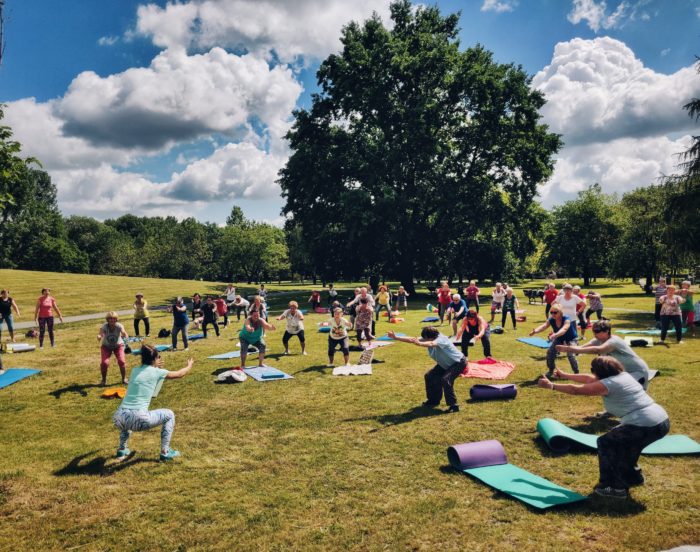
(488, 369)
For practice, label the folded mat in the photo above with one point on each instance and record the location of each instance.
(353, 370)
(387, 338)
(431, 319)
(535, 342)
(560, 438)
(652, 331)
(114, 393)
(160, 348)
(482, 392)
(233, 354)
(195, 337)
(13, 375)
(488, 368)
(486, 461)
(266, 373)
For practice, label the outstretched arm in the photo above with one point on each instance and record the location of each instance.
(182, 372)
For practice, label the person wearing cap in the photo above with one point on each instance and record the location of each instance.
(133, 413)
(563, 333)
(450, 363)
(605, 343)
(111, 338)
(141, 313)
(474, 328)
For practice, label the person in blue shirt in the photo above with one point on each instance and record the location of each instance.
(563, 333)
(458, 309)
(133, 413)
(450, 364)
(180, 322)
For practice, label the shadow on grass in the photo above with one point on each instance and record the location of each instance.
(74, 388)
(388, 420)
(99, 465)
(593, 506)
(320, 368)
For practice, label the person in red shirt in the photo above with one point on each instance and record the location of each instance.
(444, 299)
(222, 308)
(315, 300)
(471, 295)
(550, 294)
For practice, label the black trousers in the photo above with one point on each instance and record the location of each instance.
(439, 380)
(619, 450)
(485, 343)
(504, 313)
(213, 323)
(146, 324)
(666, 320)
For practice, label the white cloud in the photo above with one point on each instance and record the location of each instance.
(179, 98)
(499, 6)
(618, 166)
(597, 90)
(108, 40)
(595, 14)
(291, 28)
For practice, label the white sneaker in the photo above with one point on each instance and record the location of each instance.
(305, 353)
(330, 365)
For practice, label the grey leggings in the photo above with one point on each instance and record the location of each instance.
(127, 420)
(552, 354)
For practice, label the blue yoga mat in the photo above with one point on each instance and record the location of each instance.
(266, 373)
(160, 348)
(535, 342)
(431, 319)
(13, 375)
(226, 356)
(195, 337)
(387, 338)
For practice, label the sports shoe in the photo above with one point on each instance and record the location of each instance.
(169, 455)
(636, 477)
(123, 453)
(453, 408)
(304, 353)
(610, 492)
(286, 353)
(330, 365)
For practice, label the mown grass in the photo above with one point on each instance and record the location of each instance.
(319, 462)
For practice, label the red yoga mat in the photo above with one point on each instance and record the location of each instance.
(488, 368)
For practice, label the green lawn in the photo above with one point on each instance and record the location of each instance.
(318, 462)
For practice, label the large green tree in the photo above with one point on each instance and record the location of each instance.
(411, 137)
(582, 234)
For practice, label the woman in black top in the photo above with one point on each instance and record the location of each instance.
(210, 315)
(7, 303)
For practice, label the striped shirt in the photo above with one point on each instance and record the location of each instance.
(659, 292)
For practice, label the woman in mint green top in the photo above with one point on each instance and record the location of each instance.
(133, 413)
(252, 333)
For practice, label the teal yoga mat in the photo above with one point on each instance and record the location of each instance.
(160, 348)
(487, 462)
(387, 338)
(535, 342)
(560, 438)
(13, 375)
(671, 332)
(266, 373)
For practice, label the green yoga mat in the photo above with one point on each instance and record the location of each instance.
(523, 485)
(560, 438)
(671, 332)
(487, 462)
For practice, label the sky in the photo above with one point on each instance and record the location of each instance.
(180, 108)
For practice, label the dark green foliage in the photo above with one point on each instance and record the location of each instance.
(411, 136)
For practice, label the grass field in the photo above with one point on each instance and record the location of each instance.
(317, 462)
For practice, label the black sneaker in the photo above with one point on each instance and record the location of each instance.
(610, 492)
(453, 408)
(636, 477)
(428, 404)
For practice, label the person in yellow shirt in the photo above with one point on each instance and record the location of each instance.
(382, 301)
(141, 313)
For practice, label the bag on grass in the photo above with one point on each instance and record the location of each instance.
(32, 333)
(164, 333)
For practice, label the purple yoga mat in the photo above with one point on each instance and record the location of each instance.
(476, 455)
(482, 392)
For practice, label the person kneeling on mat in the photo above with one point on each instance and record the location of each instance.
(133, 413)
(295, 326)
(474, 328)
(450, 364)
(642, 422)
(252, 334)
(111, 337)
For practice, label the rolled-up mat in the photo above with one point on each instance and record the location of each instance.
(13, 375)
(487, 462)
(484, 392)
(195, 337)
(535, 342)
(325, 329)
(431, 319)
(159, 348)
(19, 347)
(561, 438)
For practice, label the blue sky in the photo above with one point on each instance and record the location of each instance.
(133, 108)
